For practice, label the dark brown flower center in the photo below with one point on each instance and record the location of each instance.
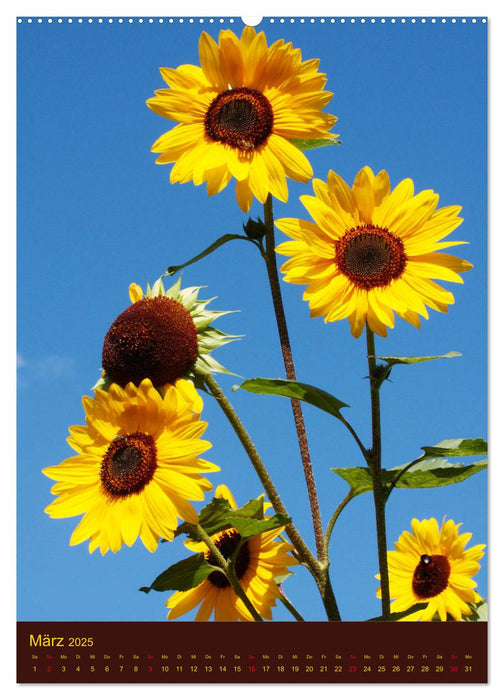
(241, 117)
(370, 256)
(227, 544)
(431, 575)
(153, 339)
(128, 464)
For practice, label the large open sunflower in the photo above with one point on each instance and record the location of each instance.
(259, 561)
(372, 252)
(136, 468)
(164, 335)
(431, 565)
(238, 114)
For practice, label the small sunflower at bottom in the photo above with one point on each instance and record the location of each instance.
(137, 466)
(431, 565)
(164, 335)
(260, 560)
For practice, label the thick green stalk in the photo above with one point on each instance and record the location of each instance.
(327, 594)
(374, 464)
(290, 372)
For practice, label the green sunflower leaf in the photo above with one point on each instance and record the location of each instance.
(249, 520)
(308, 144)
(213, 518)
(182, 576)
(428, 474)
(358, 478)
(391, 360)
(434, 472)
(295, 390)
(461, 447)
(399, 615)
(248, 527)
(219, 515)
(173, 269)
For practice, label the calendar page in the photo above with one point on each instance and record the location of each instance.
(252, 349)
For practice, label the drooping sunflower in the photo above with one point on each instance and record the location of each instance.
(137, 466)
(431, 565)
(239, 113)
(372, 252)
(260, 560)
(164, 335)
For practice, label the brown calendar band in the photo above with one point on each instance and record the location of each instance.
(229, 652)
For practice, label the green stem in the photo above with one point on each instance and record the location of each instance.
(355, 436)
(229, 572)
(374, 464)
(327, 594)
(286, 602)
(290, 372)
(403, 471)
(304, 553)
(332, 522)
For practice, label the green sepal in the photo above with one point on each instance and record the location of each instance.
(173, 269)
(255, 230)
(103, 382)
(308, 144)
(428, 474)
(282, 577)
(295, 390)
(399, 615)
(183, 575)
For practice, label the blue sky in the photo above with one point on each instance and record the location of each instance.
(95, 213)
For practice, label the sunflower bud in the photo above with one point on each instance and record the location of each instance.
(255, 230)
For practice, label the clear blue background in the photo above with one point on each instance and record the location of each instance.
(95, 213)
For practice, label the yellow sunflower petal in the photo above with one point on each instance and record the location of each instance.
(244, 195)
(182, 602)
(363, 192)
(231, 58)
(207, 606)
(210, 61)
(293, 160)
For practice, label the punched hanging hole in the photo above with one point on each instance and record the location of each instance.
(251, 21)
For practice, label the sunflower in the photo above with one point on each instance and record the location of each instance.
(136, 468)
(164, 335)
(239, 113)
(259, 561)
(431, 566)
(372, 252)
